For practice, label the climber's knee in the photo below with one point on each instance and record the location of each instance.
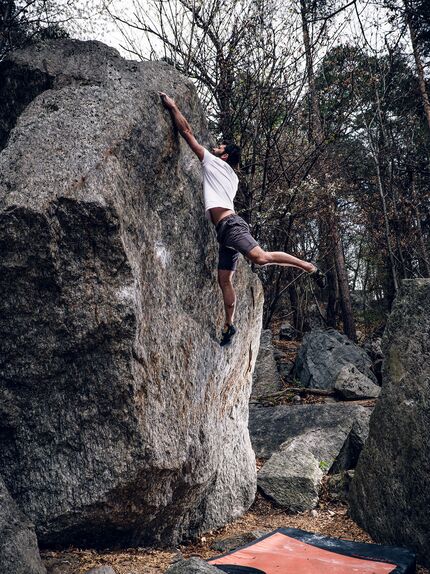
(259, 256)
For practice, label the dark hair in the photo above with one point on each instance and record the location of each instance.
(233, 151)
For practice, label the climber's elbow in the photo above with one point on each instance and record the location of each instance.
(189, 137)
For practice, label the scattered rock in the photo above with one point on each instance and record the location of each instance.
(123, 418)
(19, 553)
(351, 384)
(266, 378)
(225, 545)
(292, 478)
(348, 456)
(270, 427)
(316, 439)
(338, 486)
(193, 565)
(287, 332)
(390, 493)
(323, 354)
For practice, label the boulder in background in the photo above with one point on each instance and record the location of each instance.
(390, 493)
(323, 354)
(351, 384)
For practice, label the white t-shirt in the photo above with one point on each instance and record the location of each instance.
(219, 183)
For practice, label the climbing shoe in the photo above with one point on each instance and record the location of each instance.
(227, 335)
(319, 277)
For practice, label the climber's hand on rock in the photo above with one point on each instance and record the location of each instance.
(168, 103)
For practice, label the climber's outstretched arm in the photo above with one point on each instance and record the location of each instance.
(183, 126)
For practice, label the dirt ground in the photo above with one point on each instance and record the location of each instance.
(328, 518)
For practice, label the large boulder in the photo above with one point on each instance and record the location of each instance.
(121, 418)
(18, 543)
(323, 354)
(270, 427)
(390, 495)
(266, 378)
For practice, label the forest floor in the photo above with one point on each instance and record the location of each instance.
(328, 518)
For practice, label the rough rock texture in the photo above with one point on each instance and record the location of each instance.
(266, 378)
(390, 495)
(270, 427)
(292, 477)
(323, 354)
(18, 543)
(374, 350)
(352, 447)
(351, 384)
(338, 485)
(121, 417)
(192, 566)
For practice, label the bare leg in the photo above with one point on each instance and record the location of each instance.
(261, 257)
(225, 278)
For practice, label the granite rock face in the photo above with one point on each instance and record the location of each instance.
(323, 354)
(390, 494)
(121, 418)
(266, 378)
(18, 543)
(338, 485)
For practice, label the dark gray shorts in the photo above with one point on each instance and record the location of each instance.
(234, 237)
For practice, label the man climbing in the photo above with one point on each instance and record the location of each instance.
(219, 189)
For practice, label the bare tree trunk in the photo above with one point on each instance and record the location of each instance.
(418, 63)
(345, 298)
(334, 259)
(386, 222)
(316, 134)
